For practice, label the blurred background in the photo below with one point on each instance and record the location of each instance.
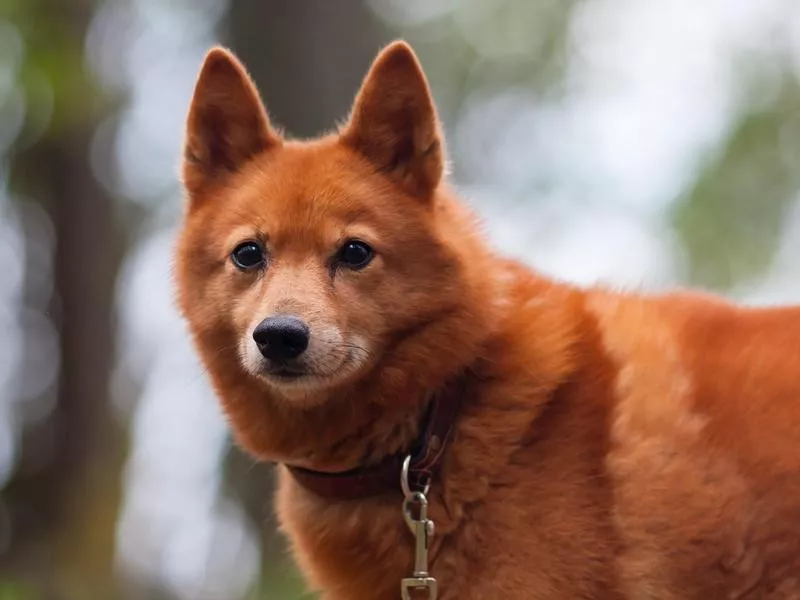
(638, 143)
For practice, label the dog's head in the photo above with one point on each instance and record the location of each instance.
(309, 266)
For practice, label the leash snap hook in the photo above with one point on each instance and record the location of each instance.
(422, 529)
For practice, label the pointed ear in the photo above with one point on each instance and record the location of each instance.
(394, 122)
(227, 123)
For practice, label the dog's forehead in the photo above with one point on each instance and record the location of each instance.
(308, 192)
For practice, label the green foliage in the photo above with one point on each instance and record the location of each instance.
(730, 220)
(59, 93)
(280, 581)
(10, 590)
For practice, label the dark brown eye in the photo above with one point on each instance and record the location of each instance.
(248, 255)
(355, 255)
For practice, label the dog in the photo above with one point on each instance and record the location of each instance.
(446, 417)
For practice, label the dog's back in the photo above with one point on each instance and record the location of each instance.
(705, 446)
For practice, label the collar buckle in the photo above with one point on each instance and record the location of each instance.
(422, 528)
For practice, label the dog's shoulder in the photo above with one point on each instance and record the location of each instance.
(703, 431)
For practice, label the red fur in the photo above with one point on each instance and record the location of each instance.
(610, 446)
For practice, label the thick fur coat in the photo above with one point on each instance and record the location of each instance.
(610, 445)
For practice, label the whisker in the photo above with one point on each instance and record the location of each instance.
(347, 345)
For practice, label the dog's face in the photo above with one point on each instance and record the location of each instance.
(310, 261)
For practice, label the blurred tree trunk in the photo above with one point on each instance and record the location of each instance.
(62, 509)
(308, 59)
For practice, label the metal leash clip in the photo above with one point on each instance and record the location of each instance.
(422, 529)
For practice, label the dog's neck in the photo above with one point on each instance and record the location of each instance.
(416, 465)
(366, 424)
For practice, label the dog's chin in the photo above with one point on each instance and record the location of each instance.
(296, 383)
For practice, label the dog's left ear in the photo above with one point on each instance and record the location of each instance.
(394, 122)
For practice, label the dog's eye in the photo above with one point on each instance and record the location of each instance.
(355, 254)
(248, 255)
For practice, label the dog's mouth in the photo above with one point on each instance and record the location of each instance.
(286, 373)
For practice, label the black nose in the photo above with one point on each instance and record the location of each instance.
(281, 338)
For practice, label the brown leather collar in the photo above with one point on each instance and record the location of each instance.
(383, 477)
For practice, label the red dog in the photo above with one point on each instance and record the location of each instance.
(568, 443)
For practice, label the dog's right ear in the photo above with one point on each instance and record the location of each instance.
(227, 124)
